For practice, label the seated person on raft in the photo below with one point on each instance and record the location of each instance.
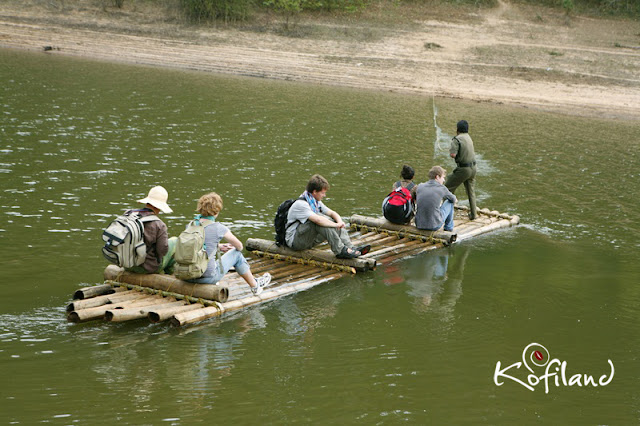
(398, 206)
(434, 202)
(310, 222)
(209, 206)
(160, 248)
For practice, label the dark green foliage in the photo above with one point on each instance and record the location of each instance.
(336, 5)
(226, 10)
(484, 3)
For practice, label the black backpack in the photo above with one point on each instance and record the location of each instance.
(280, 221)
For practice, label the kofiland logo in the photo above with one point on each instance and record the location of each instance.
(537, 356)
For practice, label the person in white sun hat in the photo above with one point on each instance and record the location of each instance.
(160, 248)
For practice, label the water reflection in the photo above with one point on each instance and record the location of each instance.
(434, 280)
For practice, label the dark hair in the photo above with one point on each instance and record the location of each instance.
(317, 183)
(463, 126)
(407, 172)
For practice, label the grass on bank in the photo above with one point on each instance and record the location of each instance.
(238, 11)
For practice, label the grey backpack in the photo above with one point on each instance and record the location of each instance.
(124, 239)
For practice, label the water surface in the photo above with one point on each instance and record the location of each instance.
(417, 341)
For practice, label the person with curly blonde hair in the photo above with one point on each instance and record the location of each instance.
(209, 207)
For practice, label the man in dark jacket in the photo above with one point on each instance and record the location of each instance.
(465, 172)
(434, 202)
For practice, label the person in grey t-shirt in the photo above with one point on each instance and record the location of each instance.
(310, 222)
(434, 202)
(209, 206)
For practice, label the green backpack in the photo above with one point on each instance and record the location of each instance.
(191, 253)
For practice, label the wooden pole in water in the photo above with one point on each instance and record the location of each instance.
(213, 311)
(96, 290)
(256, 244)
(165, 312)
(123, 294)
(168, 283)
(98, 312)
(381, 223)
(195, 316)
(127, 314)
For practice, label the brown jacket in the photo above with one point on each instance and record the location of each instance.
(157, 241)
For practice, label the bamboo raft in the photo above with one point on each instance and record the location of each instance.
(126, 296)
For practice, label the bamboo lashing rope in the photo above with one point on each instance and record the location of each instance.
(400, 234)
(305, 261)
(163, 293)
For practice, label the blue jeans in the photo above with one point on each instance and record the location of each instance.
(231, 258)
(446, 209)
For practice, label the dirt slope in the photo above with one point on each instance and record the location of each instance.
(511, 54)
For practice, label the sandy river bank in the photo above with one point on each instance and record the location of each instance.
(511, 54)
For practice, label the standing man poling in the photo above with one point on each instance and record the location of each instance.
(465, 173)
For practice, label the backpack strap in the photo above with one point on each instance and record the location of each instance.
(410, 186)
(149, 218)
(288, 225)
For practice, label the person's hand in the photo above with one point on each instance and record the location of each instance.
(340, 224)
(225, 247)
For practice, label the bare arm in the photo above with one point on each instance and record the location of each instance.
(233, 240)
(323, 221)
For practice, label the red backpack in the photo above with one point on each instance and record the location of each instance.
(400, 196)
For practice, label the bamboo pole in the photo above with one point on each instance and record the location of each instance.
(122, 294)
(410, 251)
(311, 262)
(255, 244)
(128, 314)
(164, 313)
(98, 312)
(168, 283)
(194, 316)
(381, 223)
(206, 313)
(503, 223)
(178, 296)
(93, 291)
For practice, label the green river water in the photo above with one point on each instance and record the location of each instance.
(415, 342)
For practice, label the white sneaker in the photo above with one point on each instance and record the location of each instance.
(261, 283)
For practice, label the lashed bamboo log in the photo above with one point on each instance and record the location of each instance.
(164, 313)
(122, 294)
(93, 291)
(502, 223)
(197, 315)
(99, 311)
(210, 312)
(162, 293)
(168, 283)
(381, 223)
(256, 244)
(310, 262)
(128, 314)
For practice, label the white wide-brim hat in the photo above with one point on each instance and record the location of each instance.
(158, 197)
